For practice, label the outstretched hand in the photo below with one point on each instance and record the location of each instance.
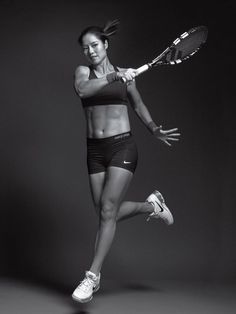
(166, 135)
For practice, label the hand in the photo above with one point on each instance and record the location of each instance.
(127, 76)
(166, 135)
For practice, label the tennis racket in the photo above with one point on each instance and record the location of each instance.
(182, 48)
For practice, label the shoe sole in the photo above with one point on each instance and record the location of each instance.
(85, 300)
(81, 300)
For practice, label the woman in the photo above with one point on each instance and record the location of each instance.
(105, 91)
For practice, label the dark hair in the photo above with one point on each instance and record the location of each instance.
(103, 33)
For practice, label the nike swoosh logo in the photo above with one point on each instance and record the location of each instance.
(127, 162)
(162, 209)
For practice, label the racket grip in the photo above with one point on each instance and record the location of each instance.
(139, 70)
(142, 69)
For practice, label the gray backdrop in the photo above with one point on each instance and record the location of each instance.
(47, 219)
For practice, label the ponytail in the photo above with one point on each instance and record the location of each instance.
(110, 28)
(103, 33)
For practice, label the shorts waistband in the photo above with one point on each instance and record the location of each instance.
(110, 138)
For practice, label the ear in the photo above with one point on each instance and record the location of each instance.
(106, 44)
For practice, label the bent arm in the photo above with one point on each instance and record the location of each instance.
(139, 107)
(86, 87)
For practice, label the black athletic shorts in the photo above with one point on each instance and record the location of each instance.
(118, 151)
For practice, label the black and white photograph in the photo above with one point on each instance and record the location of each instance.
(117, 157)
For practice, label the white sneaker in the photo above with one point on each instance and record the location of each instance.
(160, 208)
(84, 292)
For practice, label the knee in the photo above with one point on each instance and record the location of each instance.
(108, 211)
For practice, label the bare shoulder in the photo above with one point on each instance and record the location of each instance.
(82, 70)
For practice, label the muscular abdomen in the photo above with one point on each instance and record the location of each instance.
(107, 120)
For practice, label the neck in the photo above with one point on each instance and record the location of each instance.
(104, 67)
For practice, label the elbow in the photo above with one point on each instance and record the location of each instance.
(79, 92)
(81, 95)
(84, 93)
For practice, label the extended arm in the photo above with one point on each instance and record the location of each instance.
(144, 115)
(140, 108)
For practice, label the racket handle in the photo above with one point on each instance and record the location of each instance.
(139, 70)
(142, 69)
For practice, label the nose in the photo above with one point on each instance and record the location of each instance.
(90, 50)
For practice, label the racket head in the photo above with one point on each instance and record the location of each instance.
(183, 47)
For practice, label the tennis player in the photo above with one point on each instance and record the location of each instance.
(111, 149)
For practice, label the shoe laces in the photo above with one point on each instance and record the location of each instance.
(86, 284)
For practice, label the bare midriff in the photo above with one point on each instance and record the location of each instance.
(106, 120)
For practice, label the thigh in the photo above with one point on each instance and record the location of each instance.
(116, 185)
(96, 182)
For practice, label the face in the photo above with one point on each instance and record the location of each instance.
(94, 49)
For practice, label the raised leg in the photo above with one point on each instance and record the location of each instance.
(130, 209)
(126, 210)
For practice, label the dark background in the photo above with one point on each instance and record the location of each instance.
(47, 220)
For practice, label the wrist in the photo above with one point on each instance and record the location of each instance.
(111, 77)
(152, 127)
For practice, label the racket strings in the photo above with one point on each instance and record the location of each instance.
(183, 47)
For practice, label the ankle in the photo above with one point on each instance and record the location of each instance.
(148, 207)
(94, 272)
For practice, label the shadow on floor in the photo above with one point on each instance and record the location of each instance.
(63, 292)
(107, 286)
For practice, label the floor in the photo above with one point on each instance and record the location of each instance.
(164, 297)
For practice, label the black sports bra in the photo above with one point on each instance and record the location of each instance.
(111, 94)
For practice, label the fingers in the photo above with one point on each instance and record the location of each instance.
(172, 139)
(131, 73)
(171, 131)
(128, 75)
(169, 137)
(167, 143)
(170, 134)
